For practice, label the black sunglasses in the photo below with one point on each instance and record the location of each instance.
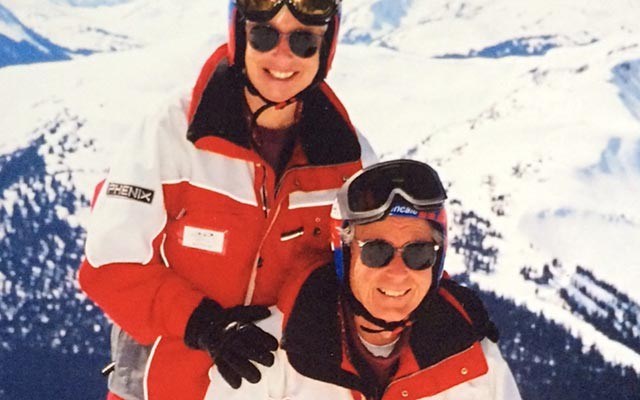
(417, 256)
(309, 12)
(303, 44)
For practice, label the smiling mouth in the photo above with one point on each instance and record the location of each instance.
(281, 75)
(393, 293)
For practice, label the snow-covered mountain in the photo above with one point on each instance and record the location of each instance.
(531, 113)
(21, 45)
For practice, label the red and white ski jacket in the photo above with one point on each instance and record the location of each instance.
(444, 359)
(189, 210)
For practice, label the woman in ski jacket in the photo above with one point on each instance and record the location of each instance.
(206, 212)
(382, 322)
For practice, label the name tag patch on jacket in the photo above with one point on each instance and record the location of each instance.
(130, 192)
(203, 239)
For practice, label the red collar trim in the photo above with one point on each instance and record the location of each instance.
(203, 79)
(227, 148)
(455, 303)
(408, 363)
(444, 375)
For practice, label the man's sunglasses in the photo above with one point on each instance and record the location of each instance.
(309, 12)
(302, 43)
(417, 256)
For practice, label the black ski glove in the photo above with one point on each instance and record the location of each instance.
(231, 338)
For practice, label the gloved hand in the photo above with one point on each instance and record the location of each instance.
(231, 338)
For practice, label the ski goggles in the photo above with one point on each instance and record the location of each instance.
(309, 12)
(303, 44)
(368, 195)
(417, 256)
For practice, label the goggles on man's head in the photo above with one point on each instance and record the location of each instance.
(368, 195)
(309, 12)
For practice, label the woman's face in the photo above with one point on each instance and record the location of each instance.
(278, 74)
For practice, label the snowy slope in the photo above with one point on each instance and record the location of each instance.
(531, 112)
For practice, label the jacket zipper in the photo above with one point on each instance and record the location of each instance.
(263, 190)
(257, 260)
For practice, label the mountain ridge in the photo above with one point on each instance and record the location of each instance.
(537, 145)
(21, 45)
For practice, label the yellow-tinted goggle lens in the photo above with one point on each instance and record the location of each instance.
(309, 12)
(258, 5)
(314, 7)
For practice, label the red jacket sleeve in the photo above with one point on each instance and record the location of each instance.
(146, 301)
(123, 272)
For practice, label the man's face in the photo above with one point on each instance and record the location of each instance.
(278, 74)
(391, 292)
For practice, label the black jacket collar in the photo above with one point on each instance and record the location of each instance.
(313, 334)
(325, 136)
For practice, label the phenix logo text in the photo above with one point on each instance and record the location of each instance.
(130, 192)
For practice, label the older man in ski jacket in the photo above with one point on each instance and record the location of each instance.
(381, 322)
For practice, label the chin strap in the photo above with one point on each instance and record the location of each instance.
(357, 308)
(269, 103)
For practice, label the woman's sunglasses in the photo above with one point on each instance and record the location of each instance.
(302, 43)
(416, 255)
(309, 12)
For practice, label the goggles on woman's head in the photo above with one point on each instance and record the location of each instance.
(309, 12)
(368, 195)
